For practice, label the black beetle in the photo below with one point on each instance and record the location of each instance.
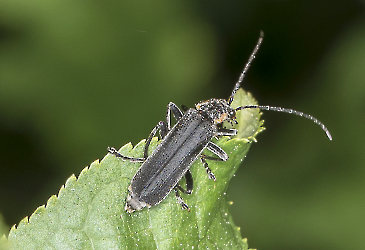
(181, 145)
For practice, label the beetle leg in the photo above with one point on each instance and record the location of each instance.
(113, 151)
(215, 149)
(180, 200)
(176, 112)
(205, 164)
(163, 127)
(160, 126)
(226, 132)
(189, 183)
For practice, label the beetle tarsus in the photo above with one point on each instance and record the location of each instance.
(181, 201)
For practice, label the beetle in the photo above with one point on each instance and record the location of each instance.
(183, 144)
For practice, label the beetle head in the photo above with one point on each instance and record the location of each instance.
(218, 110)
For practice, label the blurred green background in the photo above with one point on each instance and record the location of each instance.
(78, 76)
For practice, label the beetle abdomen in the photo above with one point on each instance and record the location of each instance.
(172, 158)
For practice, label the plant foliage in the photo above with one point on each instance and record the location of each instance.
(88, 212)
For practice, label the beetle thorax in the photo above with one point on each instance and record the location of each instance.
(218, 110)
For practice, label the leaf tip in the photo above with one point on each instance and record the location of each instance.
(71, 180)
(51, 201)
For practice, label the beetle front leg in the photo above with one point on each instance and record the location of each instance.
(226, 132)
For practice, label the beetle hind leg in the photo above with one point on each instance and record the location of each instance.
(189, 190)
(115, 152)
(189, 183)
(180, 200)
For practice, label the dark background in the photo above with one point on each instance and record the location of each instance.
(78, 76)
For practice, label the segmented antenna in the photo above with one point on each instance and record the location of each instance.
(240, 79)
(290, 111)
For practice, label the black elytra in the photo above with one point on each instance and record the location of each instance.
(181, 145)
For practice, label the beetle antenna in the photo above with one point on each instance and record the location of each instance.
(290, 111)
(240, 79)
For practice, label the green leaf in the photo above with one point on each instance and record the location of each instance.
(88, 212)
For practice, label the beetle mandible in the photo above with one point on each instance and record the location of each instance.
(184, 143)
